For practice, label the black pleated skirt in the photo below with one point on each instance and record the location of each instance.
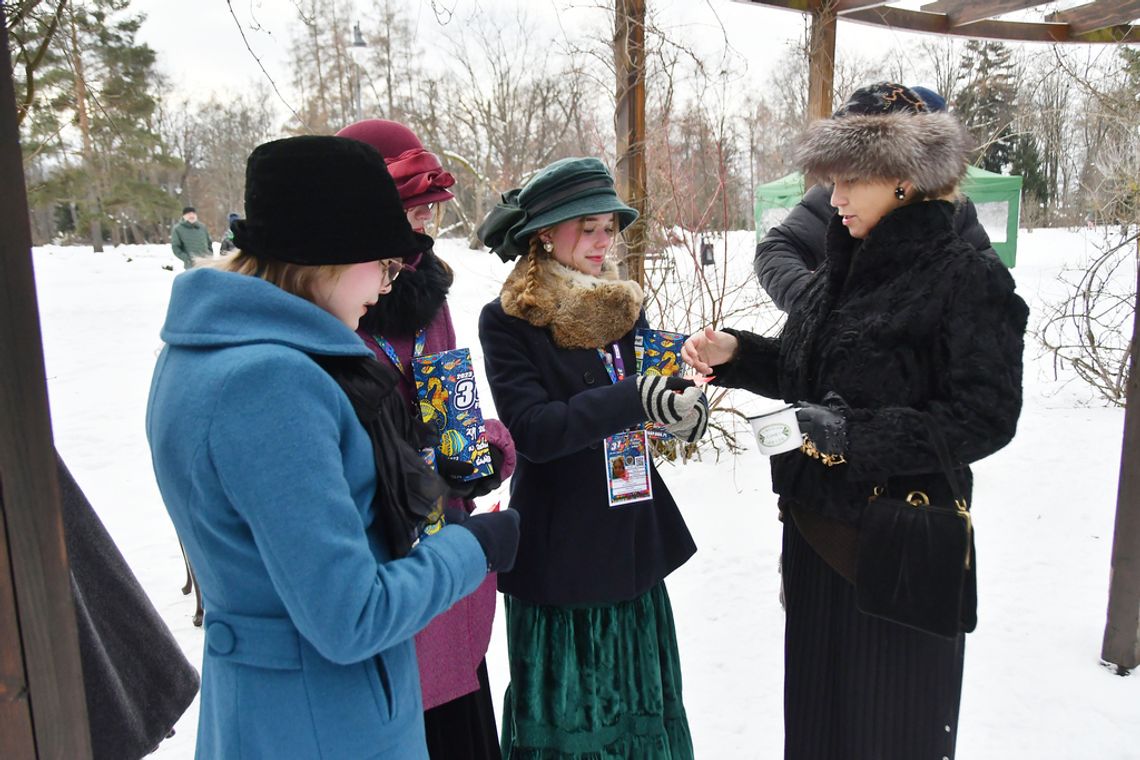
(858, 687)
(464, 728)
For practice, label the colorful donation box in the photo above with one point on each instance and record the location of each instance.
(658, 352)
(449, 401)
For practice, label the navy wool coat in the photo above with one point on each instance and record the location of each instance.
(559, 405)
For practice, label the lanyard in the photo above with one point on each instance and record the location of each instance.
(615, 365)
(417, 347)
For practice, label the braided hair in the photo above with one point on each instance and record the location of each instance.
(535, 253)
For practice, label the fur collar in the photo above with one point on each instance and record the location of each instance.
(581, 311)
(927, 149)
(415, 299)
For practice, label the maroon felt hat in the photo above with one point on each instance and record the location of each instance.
(419, 176)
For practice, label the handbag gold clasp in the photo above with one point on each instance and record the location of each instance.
(917, 499)
(964, 513)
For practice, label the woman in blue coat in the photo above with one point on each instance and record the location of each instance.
(595, 670)
(291, 486)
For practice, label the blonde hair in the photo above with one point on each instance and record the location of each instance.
(527, 298)
(298, 279)
(536, 253)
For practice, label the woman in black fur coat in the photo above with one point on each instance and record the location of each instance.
(903, 328)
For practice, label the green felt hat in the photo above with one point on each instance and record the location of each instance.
(566, 189)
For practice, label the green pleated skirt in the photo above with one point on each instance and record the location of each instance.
(594, 683)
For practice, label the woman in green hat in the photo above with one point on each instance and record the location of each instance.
(594, 665)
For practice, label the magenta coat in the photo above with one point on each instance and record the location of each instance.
(450, 649)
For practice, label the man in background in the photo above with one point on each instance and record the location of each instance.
(189, 238)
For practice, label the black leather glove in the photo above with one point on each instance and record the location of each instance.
(662, 402)
(498, 534)
(488, 483)
(454, 471)
(825, 424)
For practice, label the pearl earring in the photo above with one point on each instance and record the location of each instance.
(547, 246)
(900, 193)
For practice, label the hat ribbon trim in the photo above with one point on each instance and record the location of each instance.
(416, 171)
(566, 193)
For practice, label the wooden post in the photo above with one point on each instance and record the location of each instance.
(629, 124)
(821, 60)
(821, 65)
(1122, 632)
(43, 710)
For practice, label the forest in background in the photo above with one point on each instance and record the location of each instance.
(112, 152)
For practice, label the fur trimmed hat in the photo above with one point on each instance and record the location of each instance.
(317, 199)
(885, 131)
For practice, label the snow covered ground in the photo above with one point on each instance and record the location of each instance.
(1044, 516)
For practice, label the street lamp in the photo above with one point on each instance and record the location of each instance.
(357, 51)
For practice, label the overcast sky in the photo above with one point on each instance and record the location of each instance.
(200, 47)
(201, 50)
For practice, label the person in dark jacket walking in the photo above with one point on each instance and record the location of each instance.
(281, 451)
(190, 238)
(594, 665)
(227, 243)
(415, 320)
(905, 329)
(791, 251)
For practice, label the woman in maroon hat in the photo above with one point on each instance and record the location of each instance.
(414, 320)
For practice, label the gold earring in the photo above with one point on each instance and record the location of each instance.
(547, 246)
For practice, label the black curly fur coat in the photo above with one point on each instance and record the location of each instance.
(415, 299)
(909, 325)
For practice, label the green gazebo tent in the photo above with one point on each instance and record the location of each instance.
(996, 196)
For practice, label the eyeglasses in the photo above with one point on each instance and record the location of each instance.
(391, 268)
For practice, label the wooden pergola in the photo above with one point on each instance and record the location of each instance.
(1099, 22)
(42, 708)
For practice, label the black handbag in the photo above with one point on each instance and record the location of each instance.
(915, 560)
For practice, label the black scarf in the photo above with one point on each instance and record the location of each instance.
(415, 299)
(408, 491)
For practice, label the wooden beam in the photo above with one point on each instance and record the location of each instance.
(940, 23)
(962, 12)
(1010, 31)
(821, 63)
(36, 559)
(1097, 15)
(629, 123)
(16, 737)
(846, 6)
(1121, 645)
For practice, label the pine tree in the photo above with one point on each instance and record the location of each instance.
(90, 127)
(1025, 160)
(986, 100)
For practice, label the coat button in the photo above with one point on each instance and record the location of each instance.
(220, 638)
(588, 377)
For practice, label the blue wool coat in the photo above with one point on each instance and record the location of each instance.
(269, 477)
